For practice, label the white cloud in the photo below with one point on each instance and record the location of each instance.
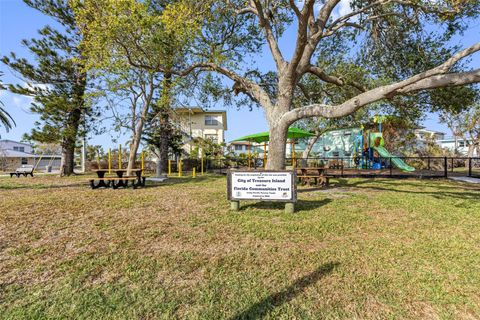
(22, 102)
(343, 8)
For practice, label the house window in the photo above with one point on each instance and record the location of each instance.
(347, 154)
(461, 144)
(211, 121)
(347, 133)
(24, 161)
(21, 149)
(238, 147)
(336, 154)
(212, 137)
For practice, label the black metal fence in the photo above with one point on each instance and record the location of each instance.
(424, 167)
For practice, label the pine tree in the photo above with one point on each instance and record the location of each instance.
(5, 119)
(56, 80)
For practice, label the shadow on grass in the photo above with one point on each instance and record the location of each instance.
(263, 307)
(392, 186)
(13, 185)
(301, 205)
(183, 180)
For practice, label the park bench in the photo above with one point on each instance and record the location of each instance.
(24, 170)
(119, 181)
(116, 182)
(319, 178)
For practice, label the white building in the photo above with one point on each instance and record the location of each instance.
(14, 154)
(198, 123)
(241, 147)
(423, 135)
(457, 144)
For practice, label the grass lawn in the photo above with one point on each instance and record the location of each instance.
(365, 249)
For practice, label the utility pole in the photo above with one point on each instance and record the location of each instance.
(84, 153)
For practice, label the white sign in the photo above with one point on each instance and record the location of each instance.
(262, 185)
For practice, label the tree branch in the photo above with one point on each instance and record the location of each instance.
(333, 79)
(271, 40)
(241, 84)
(380, 93)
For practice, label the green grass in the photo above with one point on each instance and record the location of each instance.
(365, 249)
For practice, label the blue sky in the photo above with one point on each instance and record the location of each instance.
(18, 21)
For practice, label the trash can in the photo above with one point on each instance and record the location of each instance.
(48, 168)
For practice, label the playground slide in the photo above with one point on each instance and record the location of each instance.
(399, 163)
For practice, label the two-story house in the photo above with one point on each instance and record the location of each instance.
(196, 122)
(14, 154)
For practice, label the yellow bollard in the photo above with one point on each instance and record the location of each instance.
(169, 167)
(120, 156)
(264, 155)
(293, 153)
(194, 173)
(143, 160)
(249, 155)
(109, 160)
(179, 167)
(201, 164)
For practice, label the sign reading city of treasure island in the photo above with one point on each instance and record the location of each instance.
(262, 185)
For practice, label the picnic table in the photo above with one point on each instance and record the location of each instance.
(120, 181)
(319, 177)
(24, 170)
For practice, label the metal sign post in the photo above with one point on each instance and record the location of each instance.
(269, 185)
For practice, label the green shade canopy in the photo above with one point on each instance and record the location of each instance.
(293, 133)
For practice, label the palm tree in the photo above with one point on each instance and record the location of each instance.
(5, 119)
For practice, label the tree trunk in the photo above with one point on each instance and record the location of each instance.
(164, 142)
(68, 144)
(164, 124)
(134, 145)
(67, 162)
(277, 147)
(309, 147)
(471, 149)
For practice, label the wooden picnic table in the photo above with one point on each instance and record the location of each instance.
(140, 181)
(318, 177)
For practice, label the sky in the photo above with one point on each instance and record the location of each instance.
(18, 21)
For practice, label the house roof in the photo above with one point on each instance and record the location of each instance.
(18, 154)
(423, 129)
(243, 143)
(23, 143)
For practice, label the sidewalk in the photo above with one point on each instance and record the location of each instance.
(465, 179)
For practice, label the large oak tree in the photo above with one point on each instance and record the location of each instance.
(401, 43)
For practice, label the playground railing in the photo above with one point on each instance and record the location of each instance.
(424, 167)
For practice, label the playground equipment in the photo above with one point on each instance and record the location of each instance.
(292, 134)
(370, 152)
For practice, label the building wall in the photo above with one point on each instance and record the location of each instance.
(17, 146)
(244, 149)
(198, 127)
(335, 143)
(462, 147)
(11, 164)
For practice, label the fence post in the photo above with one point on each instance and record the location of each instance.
(391, 167)
(469, 167)
(445, 167)
(428, 163)
(452, 165)
(342, 167)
